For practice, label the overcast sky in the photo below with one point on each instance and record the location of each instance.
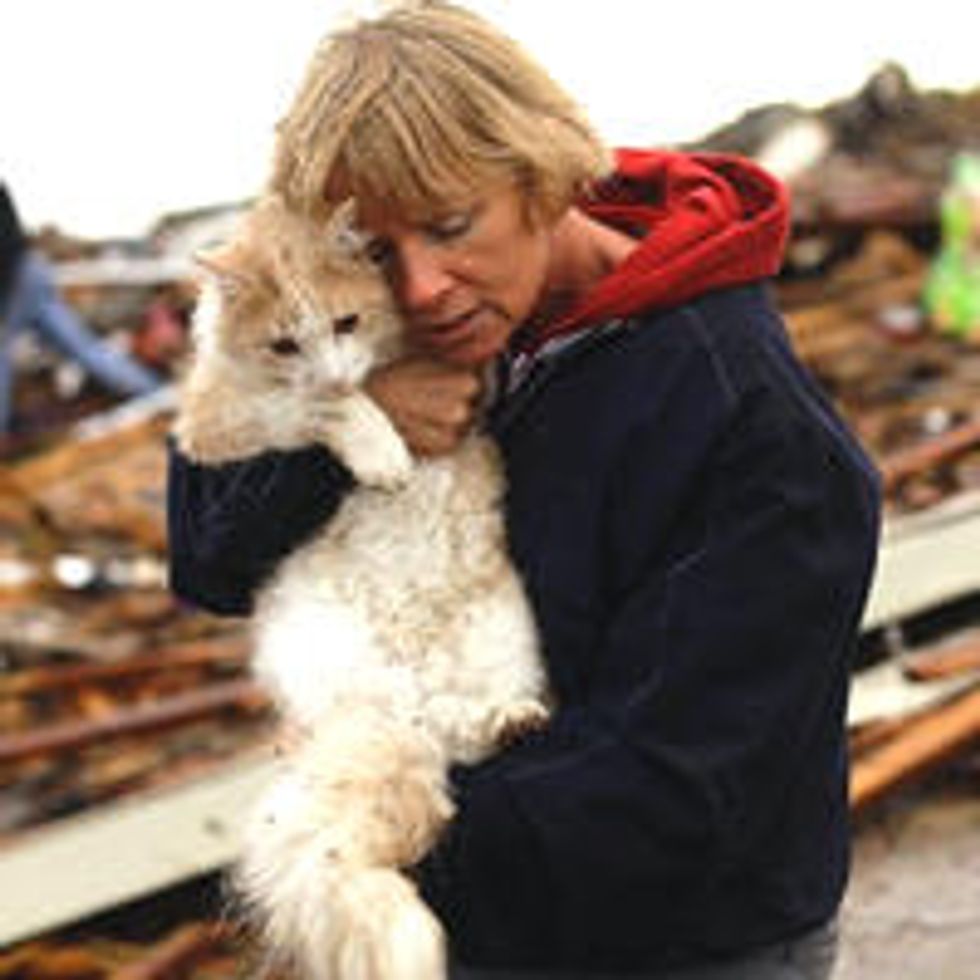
(115, 111)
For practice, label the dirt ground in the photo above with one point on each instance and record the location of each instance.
(913, 908)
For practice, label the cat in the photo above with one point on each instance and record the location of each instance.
(396, 641)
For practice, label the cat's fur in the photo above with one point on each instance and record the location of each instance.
(396, 641)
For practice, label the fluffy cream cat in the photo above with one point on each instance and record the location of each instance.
(396, 641)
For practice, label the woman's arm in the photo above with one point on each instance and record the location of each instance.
(229, 525)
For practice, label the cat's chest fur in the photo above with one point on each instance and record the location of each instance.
(417, 579)
(440, 535)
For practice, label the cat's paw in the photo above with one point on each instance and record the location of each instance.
(511, 722)
(384, 464)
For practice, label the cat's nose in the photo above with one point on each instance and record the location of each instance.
(346, 324)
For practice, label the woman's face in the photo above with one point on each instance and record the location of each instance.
(465, 277)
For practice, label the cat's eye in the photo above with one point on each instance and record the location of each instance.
(346, 324)
(378, 251)
(284, 346)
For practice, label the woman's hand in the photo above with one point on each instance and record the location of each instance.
(432, 404)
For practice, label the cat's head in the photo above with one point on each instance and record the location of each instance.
(298, 301)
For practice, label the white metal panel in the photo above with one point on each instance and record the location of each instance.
(112, 854)
(926, 560)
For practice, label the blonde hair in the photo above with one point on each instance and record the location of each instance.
(425, 100)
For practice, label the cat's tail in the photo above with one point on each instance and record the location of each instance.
(384, 931)
(320, 870)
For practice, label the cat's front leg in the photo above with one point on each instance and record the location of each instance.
(362, 435)
(509, 723)
(221, 422)
(471, 728)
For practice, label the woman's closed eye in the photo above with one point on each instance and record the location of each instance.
(442, 230)
(450, 226)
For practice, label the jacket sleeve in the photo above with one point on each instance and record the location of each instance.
(738, 652)
(229, 525)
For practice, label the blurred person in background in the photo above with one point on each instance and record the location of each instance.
(29, 301)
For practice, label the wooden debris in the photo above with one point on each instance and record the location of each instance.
(165, 713)
(221, 651)
(38, 961)
(917, 747)
(950, 660)
(938, 451)
(202, 948)
(884, 693)
(179, 953)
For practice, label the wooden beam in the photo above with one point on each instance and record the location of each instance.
(920, 746)
(235, 695)
(883, 692)
(945, 661)
(179, 953)
(225, 650)
(929, 454)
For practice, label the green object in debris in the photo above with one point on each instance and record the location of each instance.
(952, 295)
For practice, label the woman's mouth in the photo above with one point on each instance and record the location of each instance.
(449, 333)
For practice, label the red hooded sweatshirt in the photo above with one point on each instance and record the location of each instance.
(706, 221)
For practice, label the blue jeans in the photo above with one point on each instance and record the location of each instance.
(34, 304)
(808, 957)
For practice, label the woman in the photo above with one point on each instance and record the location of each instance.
(695, 527)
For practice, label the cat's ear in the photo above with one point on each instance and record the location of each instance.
(221, 266)
(342, 231)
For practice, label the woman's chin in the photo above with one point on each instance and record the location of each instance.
(476, 348)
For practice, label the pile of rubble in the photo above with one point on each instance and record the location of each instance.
(111, 692)
(107, 684)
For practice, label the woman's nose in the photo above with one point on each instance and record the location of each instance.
(422, 279)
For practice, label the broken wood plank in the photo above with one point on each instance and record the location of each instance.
(874, 733)
(946, 661)
(41, 962)
(235, 695)
(178, 954)
(67, 459)
(228, 651)
(933, 452)
(923, 744)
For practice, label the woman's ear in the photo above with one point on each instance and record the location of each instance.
(538, 209)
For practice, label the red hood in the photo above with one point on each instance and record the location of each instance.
(706, 220)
